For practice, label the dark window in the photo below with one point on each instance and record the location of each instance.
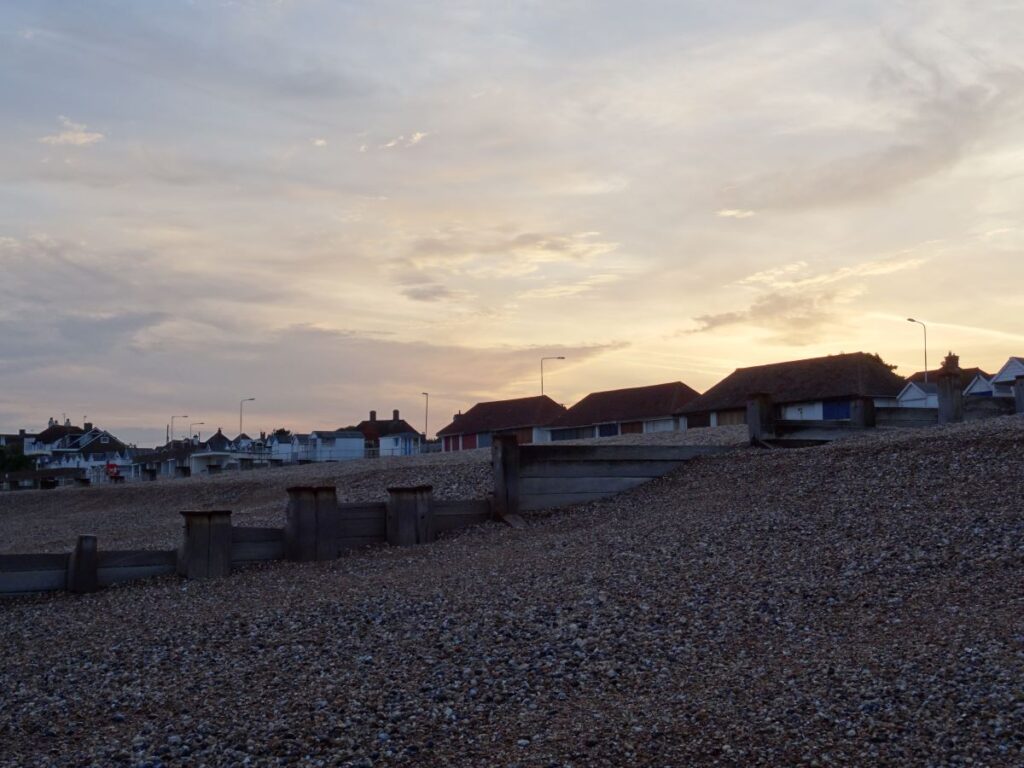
(608, 430)
(833, 410)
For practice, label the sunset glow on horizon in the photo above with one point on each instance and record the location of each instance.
(336, 207)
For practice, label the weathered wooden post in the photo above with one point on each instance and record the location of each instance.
(862, 413)
(83, 566)
(328, 522)
(410, 516)
(206, 550)
(300, 524)
(760, 417)
(951, 396)
(505, 464)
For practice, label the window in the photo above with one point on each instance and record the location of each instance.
(104, 439)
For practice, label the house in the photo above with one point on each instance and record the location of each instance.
(813, 389)
(525, 417)
(336, 445)
(918, 394)
(242, 443)
(1002, 382)
(635, 410)
(43, 443)
(219, 442)
(403, 440)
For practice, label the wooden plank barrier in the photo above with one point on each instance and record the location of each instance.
(22, 574)
(118, 566)
(410, 516)
(250, 544)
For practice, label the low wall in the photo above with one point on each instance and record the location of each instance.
(907, 417)
(976, 408)
(558, 475)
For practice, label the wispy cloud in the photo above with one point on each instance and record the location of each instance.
(735, 213)
(74, 134)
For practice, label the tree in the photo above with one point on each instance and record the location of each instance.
(13, 460)
(878, 357)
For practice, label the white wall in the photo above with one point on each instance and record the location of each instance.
(660, 425)
(812, 411)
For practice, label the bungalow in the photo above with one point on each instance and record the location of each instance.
(635, 410)
(1002, 382)
(388, 438)
(525, 417)
(813, 389)
(336, 445)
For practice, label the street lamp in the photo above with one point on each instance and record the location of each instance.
(194, 424)
(559, 357)
(912, 320)
(242, 402)
(185, 416)
(426, 415)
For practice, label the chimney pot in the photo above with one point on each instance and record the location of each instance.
(394, 415)
(373, 415)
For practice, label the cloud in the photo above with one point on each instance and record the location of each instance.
(799, 309)
(429, 292)
(400, 142)
(319, 142)
(74, 134)
(733, 213)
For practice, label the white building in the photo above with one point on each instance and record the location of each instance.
(1002, 382)
(336, 445)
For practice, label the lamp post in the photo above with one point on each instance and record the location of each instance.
(194, 424)
(426, 415)
(925, 327)
(242, 402)
(559, 357)
(185, 416)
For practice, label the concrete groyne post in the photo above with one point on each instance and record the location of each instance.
(206, 551)
(410, 516)
(760, 417)
(83, 566)
(505, 464)
(862, 413)
(951, 396)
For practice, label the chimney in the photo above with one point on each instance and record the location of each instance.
(373, 415)
(87, 426)
(394, 415)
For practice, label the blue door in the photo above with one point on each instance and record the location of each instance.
(833, 410)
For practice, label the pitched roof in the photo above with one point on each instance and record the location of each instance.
(56, 432)
(498, 415)
(337, 433)
(632, 404)
(966, 376)
(382, 428)
(820, 378)
(1003, 375)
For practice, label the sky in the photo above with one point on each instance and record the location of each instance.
(336, 206)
